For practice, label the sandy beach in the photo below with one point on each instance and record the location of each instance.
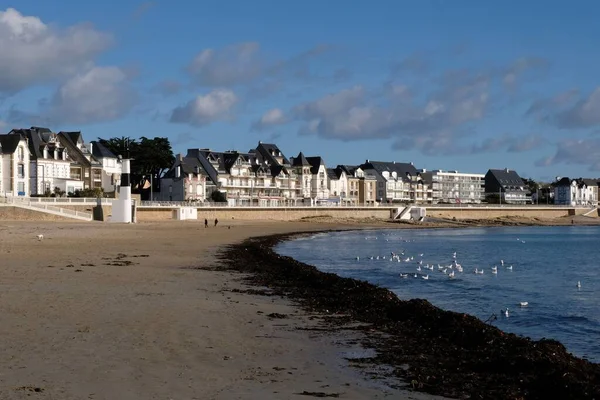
(101, 311)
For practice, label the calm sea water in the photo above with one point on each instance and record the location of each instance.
(547, 264)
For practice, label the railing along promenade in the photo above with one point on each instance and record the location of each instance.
(208, 204)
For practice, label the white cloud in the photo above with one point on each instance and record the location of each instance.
(575, 152)
(430, 123)
(270, 119)
(568, 110)
(32, 52)
(203, 110)
(97, 95)
(235, 64)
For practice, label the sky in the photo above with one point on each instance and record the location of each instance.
(454, 85)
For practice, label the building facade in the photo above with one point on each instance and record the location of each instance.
(455, 187)
(576, 192)
(14, 166)
(185, 181)
(398, 182)
(506, 186)
(110, 167)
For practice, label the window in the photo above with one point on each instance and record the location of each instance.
(21, 154)
(21, 188)
(21, 170)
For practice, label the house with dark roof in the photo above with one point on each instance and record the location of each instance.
(14, 166)
(507, 185)
(398, 182)
(111, 166)
(362, 185)
(50, 162)
(185, 181)
(576, 192)
(259, 177)
(301, 168)
(319, 181)
(83, 163)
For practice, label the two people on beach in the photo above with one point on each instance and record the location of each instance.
(206, 222)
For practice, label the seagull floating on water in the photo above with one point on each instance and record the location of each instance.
(578, 284)
(523, 304)
(426, 277)
(506, 312)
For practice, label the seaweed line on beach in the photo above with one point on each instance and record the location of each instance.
(439, 352)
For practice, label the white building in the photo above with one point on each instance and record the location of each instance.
(576, 192)
(111, 166)
(14, 166)
(456, 187)
(338, 185)
(319, 179)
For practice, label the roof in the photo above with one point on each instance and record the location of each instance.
(579, 182)
(402, 170)
(9, 143)
(299, 161)
(69, 140)
(334, 173)
(269, 151)
(101, 151)
(189, 165)
(315, 163)
(507, 178)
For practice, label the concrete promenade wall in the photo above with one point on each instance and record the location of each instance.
(290, 214)
(487, 213)
(275, 214)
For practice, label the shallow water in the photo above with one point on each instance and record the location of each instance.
(547, 264)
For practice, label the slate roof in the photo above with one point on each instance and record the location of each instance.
(508, 179)
(579, 181)
(315, 163)
(9, 143)
(38, 138)
(299, 161)
(189, 165)
(401, 169)
(101, 151)
(269, 151)
(334, 173)
(69, 140)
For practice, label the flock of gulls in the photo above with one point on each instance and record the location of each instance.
(448, 270)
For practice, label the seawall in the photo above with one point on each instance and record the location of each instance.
(291, 214)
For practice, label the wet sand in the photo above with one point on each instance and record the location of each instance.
(101, 311)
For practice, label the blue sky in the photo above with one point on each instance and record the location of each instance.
(464, 85)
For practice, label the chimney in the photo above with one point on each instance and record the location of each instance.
(90, 146)
(507, 170)
(394, 162)
(178, 171)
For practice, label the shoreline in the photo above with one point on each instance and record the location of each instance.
(431, 350)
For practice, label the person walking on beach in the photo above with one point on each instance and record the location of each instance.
(206, 222)
(216, 222)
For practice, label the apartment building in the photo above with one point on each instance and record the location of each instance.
(455, 187)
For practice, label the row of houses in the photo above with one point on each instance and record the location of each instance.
(36, 160)
(264, 176)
